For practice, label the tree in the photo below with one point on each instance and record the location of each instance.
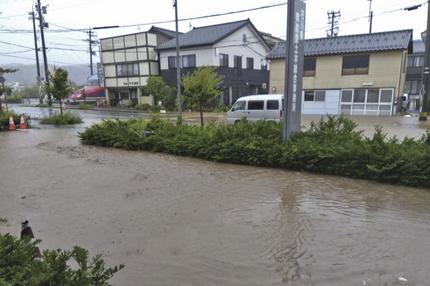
(2, 72)
(202, 86)
(59, 86)
(161, 92)
(57, 267)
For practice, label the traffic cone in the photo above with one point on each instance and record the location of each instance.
(11, 124)
(23, 124)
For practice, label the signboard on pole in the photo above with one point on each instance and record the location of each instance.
(294, 61)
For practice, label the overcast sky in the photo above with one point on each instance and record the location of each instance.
(92, 13)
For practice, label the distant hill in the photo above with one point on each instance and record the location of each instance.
(26, 74)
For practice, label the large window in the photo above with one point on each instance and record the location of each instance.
(256, 105)
(415, 61)
(250, 63)
(358, 64)
(309, 67)
(412, 86)
(189, 61)
(367, 101)
(127, 69)
(238, 62)
(315, 95)
(223, 60)
(171, 62)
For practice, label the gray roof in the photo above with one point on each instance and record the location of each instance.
(419, 47)
(205, 36)
(376, 42)
(168, 33)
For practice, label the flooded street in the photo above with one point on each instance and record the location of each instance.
(180, 221)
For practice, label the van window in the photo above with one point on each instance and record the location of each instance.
(256, 105)
(272, 105)
(240, 105)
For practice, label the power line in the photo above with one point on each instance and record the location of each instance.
(17, 52)
(333, 21)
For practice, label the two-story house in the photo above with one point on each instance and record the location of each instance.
(236, 49)
(355, 75)
(128, 61)
(414, 75)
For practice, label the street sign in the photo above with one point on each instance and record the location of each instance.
(294, 61)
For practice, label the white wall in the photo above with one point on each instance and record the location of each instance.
(232, 45)
(204, 56)
(329, 106)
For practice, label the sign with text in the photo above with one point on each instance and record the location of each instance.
(294, 61)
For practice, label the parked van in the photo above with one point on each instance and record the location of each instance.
(257, 107)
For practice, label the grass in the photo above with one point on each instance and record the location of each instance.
(85, 106)
(66, 119)
(14, 99)
(333, 146)
(43, 105)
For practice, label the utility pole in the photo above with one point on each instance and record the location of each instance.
(36, 48)
(370, 16)
(333, 21)
(294, 60)
(41, 11)
(178, 67)
(92, 53)
(425, 104)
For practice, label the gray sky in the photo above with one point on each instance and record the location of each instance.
(92, 13)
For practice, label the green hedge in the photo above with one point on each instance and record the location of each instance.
(331, 146)
(14, 99)
(67, 118)
(57, 267)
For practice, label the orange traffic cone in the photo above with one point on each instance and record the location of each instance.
(22, 124)
(11, 124)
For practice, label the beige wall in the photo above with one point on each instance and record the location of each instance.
(385, 71)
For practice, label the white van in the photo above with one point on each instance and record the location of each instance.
(257, 107)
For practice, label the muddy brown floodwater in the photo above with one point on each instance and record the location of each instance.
(180, 221)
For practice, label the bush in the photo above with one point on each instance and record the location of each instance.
(17, 266)
(143, 107)
(4, 120)
(84, 106)
(155, 108)
(221, 108)
(43, 105)
(66, 119)
(14, 99)
(333, 146)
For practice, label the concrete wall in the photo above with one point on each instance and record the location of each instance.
(385, 71)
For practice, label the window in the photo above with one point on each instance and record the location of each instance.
(189, 61)
(240, 105)
(244, 38)
(317, 95)
(171, 62)
(250, 63)
(415, 61)
(373, 96)
(309, 95)
(127, 69)
(309, 67)
(412, 87)
(256, 105)
(359, 95)
(273, 105)
(352, 65)
(223, 60)
(238, 62)
(347, 95)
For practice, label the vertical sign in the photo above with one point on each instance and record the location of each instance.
(294, 61)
